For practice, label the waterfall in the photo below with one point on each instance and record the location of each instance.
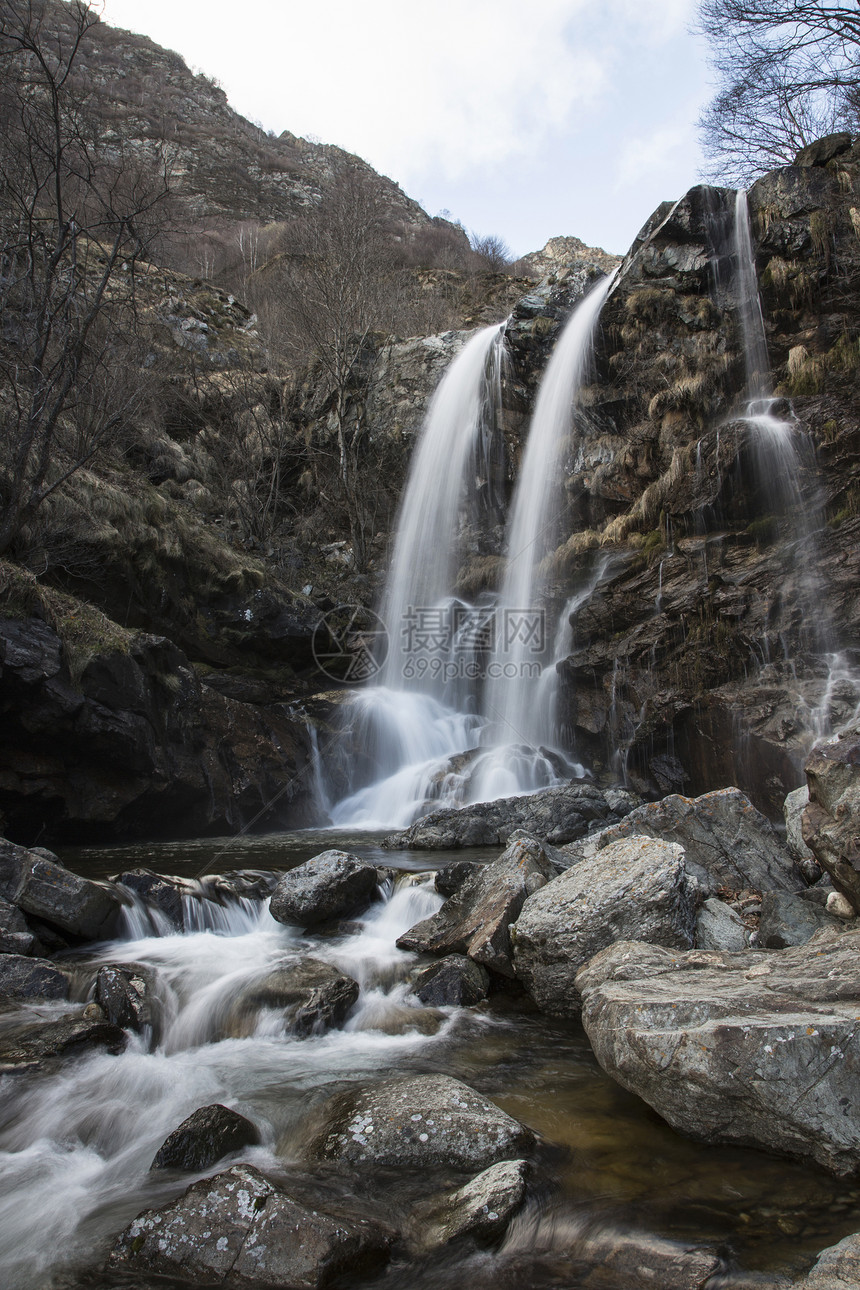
(443, 474)
(758, 382)
(423, 711)
(518, 703)
(444, 725)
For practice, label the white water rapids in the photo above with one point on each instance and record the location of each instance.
(76, 1145)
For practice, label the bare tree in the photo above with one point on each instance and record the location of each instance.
(789, 72)
(76, 217)
(339, 275)
(492, 250)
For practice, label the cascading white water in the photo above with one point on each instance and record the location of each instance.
(422, 712)
(429, 708)
(426, 545)
(513, 703)
(76, 1143)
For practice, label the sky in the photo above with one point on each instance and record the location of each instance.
(526, 119)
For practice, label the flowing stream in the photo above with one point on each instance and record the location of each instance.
(77, 1140)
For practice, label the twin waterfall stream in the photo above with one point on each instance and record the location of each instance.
(463, 710)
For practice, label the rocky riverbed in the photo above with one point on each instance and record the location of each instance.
(343, 1073)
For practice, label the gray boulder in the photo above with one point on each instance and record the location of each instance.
(831, 819)
(417, 1123)
(29, 1051)
(790, 920)
(754, 1049)
(124, 992)
(555, 815)
(793, 807)
(476, 920)
(719, 927)
(726, 841)
(313, 995)
(241, 1226)
(836, 1268)
(454, 981)
(205, 1137)
(635, 889)
(331, 885)
(482, 1208)
(22, 977)
(15, 935)
(45, 888)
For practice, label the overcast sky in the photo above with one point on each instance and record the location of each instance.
(523, 118)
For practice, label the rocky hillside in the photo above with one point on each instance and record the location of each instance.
(223, 168)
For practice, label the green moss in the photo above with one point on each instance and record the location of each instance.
(763, 531)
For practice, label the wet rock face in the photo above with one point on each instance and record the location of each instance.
(38, 884)
(747, 1048)
(156, 890)
(331, 885)
(29, 1051)
(124, 992)
(635, 889)
(555, 815)
(137, 746)
(726, 841)
(476, 920)
(428, 1121)
(831, 819)
(313, 995)
(208, 1135)
(241, 1226)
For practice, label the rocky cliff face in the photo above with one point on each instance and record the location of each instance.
(221, 165)
(702, 658)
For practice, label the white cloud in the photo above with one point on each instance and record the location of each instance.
(448, 86)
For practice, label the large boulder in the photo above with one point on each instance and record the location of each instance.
(418, 1122)
(37, 883)
(205, 1137)
(635, 889)
(312, 994)
(331, 885)
(726, 841)
(475, 921)
(555, 815)
(836, 1268)
(753, 1049)
(241, 1226)
(831, 820)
